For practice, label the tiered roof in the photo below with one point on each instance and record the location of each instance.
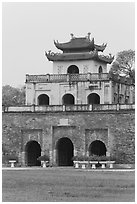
(79, 49)
(79, 44)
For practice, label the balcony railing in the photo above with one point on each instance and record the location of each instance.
(70, 108)
(66, 77)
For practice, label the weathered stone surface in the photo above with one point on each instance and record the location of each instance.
(115, 129)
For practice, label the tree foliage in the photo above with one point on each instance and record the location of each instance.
(13, 96)
(124, 64)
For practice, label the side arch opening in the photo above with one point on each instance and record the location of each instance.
(97, 147)
(100, 70)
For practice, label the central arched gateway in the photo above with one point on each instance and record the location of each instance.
(93, 98)
(97, 147)
(68, 99)
(33, 151)
(64, 152)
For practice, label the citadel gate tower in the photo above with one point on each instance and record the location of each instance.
(77, 110)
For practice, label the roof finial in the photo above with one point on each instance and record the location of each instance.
(89, 35)
(72, 35)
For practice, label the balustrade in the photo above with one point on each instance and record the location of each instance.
(104, 107)
(18, 109)
(69, 108)
(127, 106)
(66, 77)
(50, 108)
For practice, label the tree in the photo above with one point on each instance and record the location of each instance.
(13, 96)
(124, 65)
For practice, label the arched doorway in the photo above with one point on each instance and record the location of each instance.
(64, 152)
(33, 151)
(68, 99)
(97, 147)
(93, 98)
(43, 99)
(73, 69)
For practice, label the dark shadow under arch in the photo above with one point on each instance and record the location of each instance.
(93, 98)
(73, 69)
(65, 150)
(43, 99)
(100, 70)
(68, 99)
(97, 147)
(33, 151)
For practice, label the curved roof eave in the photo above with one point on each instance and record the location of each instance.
(100, 47)
(76, 43)
(72, 57)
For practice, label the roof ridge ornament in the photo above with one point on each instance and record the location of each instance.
(72, 35)
(89, 35)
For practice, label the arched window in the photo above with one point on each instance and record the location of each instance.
(93, 98)
(73, 69)
(68, 99)
(97, 147)
(100, 70)
(43, 99)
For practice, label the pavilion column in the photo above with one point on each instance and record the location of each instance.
(110, 92)
(102, 99)
(34, 95)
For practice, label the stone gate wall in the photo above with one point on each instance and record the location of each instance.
(115, 129)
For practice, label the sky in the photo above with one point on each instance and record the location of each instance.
(29, 29)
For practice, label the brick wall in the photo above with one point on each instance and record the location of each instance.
(115, 129)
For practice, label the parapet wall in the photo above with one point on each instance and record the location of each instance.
(70, 108)
(115, 128)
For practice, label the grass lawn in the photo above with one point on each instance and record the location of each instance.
(68, 185)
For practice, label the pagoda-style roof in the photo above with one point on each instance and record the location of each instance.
(82, 44)
(79, 56)
(82, 48)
